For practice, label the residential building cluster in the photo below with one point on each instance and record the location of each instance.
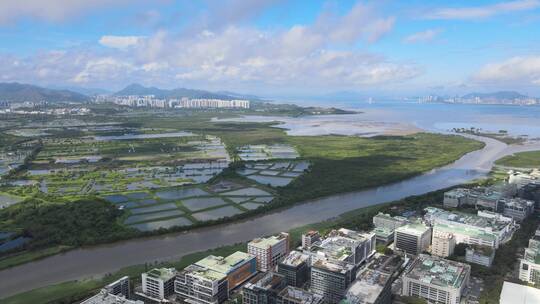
(473, 99)
(150, 101)
(44, 111)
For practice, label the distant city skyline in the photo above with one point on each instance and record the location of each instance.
(275, 47)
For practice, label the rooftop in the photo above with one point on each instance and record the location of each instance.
(458, 192)
(367, 287)
(206, 273)
(164, 274)
(372, 279)
(266, 242)
(300, 295)
(415, 228)
(333, 266)
(435, 214)
(227, 264)
(470, 231)
(515, 293)
(339, 245)
(103, 297)
(295, 258)
(266, 281)
(382, 231)
(387, 216)
(438, 271)
(518, 203)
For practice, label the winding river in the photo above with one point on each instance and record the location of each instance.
(99, 260)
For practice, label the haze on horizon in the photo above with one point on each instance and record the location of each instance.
(274, 47)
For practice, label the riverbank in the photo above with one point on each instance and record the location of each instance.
(360, 219)
(99, 260)
(338, 164)
(530, 159)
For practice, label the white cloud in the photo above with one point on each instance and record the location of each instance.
(362, 22)
(486, 11)
(516, 70)
(325, 54)
(49, 10)
(119, 42)
(424, 36)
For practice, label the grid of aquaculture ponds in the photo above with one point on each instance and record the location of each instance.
(266, 152)
(123, 162)
(184, 206)
(275, 174)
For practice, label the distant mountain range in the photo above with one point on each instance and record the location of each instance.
(502, 95)
(137, 89)
(17, 92)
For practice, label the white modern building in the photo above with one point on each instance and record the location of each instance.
(513, 293)
(158, 284)
(529, 268)
(520, 179)
(412, 238)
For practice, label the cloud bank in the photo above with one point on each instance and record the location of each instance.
(480, 12)
(303, 55)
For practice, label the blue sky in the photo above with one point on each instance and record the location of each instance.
(275, 47)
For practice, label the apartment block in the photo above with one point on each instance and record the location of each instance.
(270, 250)
(442, 244)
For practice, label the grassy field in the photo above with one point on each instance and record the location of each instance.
(342, 164)
(339, 163)
(529, 159)
(29, 256)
